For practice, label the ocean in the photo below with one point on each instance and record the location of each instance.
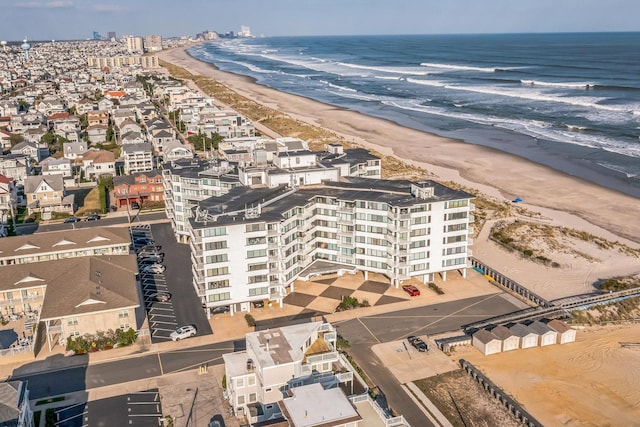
(568, 101)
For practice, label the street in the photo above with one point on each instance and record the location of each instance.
(362, 333)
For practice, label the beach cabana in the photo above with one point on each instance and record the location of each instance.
(527, 337)
(486, 342)
(547, 335)
(565, 332)
(509, 340)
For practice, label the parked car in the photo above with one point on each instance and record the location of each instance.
(71, 219)
(418, 343)
(135, 205)
(411, 290)
(258, 304)
(93, 217)
(153, 259)
(143, 241)
(149, 249)
(160, 296)
(146, 254)
(153, 269)
(113, 208)
(219, 309)
(182, 332)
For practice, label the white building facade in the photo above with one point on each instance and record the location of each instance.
(252, 244)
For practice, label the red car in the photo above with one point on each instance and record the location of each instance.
(411, 290)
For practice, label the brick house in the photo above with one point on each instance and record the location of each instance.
(140, 187)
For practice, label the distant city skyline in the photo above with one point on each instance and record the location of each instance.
(78, 19)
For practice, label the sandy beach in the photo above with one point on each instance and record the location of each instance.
(490, 171)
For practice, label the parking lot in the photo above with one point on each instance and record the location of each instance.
(168, 293)
(141, 409)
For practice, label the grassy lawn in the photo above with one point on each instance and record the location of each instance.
(91, 203)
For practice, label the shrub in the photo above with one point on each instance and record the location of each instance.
(251, 322)
(224, 382)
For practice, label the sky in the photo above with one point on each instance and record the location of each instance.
(78, 19)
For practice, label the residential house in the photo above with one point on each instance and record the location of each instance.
(140, 187)
(84, 106)
(106, 104)
(137, 157)
(51, 105)
(161, 138)
(9, 107)
(96, 163)
(276, 358)
(174, 150)
(20, 123)
(46, 194)
(5, 140)
(73, 150)
(100, 117)
(32, 150)
(51, 166)
(132, 137)
(35, 134)
(15, 410)
(97, 134)
(76, 296)
(129, 125)
(16, 166)
(122, 114)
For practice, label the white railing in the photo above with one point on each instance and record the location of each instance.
(21, 349)
(388, 422)
(323, 357)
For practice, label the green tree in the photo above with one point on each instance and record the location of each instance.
(110, 136)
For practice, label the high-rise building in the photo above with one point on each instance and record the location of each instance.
(134, 44)
(153, 43)
(96, 35)
(111, 35)
(251, 244)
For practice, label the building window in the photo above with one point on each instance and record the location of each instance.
(73, 321)
(260, 226)
(212, 272)
(125, 326)
(251, 381)
(218, 231)
(212, 259)
(257, 253)
(123, 314)
(211, 246)
(220, 297)
(253, 397)
(239, 382)
(258, 291)
(241, 399)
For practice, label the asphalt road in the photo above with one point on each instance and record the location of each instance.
(34, 227)
(85, 377)
(364, 332)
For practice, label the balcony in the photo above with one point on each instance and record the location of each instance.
(331, 356)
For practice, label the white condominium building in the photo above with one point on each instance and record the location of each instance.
(189, 181)
(252, 244)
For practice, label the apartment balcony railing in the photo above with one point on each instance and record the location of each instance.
(331, 356)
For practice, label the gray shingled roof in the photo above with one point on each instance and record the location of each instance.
(110, 280)
(51, 242)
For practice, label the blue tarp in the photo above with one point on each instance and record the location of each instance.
(517, 200)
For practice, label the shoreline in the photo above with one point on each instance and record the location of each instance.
(610, 214)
